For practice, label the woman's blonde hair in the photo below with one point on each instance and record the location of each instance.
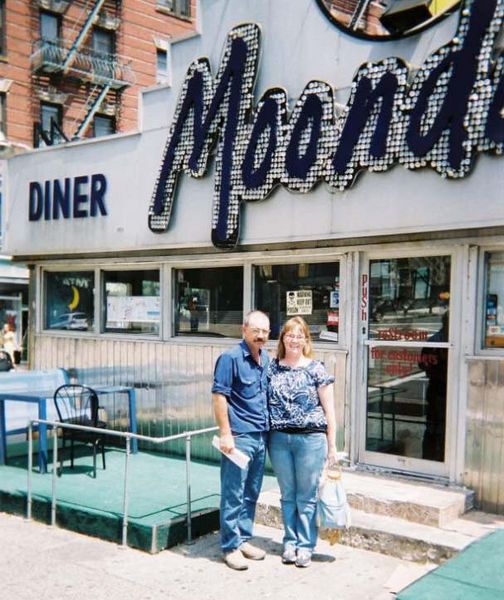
(295, 323)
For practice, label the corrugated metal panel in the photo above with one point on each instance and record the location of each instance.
(485, 434)
(172, 380)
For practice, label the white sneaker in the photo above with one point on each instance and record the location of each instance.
(303, 558)
(289, 555)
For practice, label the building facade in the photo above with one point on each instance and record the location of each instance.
(355, 182)
(73, 70)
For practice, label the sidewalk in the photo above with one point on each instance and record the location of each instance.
(37, 561)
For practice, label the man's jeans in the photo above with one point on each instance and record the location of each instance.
(298, 460)
(240, 489)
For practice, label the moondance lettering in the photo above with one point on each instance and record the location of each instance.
(451, 110)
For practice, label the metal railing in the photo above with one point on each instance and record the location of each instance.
(120, 434)
(89, 64)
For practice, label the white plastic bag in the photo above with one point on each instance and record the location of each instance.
(333, 511)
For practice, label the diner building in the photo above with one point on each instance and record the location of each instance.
(301, 165)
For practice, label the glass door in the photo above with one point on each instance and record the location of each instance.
(405, 308)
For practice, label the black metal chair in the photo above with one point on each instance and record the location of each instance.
(78, 405)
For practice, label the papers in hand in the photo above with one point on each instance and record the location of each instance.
(235, 455)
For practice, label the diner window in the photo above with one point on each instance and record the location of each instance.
(69, 300)
(209, 301)
(408, 297)
(132, 302)
(310, 290)
(493, 315)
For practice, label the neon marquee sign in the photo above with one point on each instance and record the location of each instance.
(440, 117)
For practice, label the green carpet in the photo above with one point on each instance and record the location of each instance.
(477, 573)
(156, 497)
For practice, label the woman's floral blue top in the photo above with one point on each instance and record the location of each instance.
(293, 396)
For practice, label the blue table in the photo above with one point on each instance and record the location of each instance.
(40, 398)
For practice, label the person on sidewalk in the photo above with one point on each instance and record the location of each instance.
(241, 411)
(302, 436)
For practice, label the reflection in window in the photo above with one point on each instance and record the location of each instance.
(307, 289)
(69, 300)
(132, 301)
(209, 301)
(406, 400)
(494, 300)
(408, 297)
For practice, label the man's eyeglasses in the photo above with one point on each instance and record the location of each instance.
(257, 331)
(292, 336)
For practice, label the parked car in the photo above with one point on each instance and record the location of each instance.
(76, 320)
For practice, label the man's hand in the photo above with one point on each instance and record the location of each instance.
(226, 443)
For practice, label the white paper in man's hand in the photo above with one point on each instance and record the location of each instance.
(236, 456)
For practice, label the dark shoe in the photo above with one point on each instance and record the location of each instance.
(303, 558)
(252, 552)
(289, 555)
(234, 560)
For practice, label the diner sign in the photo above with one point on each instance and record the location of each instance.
(439, 116)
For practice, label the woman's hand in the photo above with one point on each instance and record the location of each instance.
(332, 454)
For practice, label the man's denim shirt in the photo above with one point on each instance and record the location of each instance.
(244, 383)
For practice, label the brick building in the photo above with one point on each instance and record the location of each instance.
(72, 70)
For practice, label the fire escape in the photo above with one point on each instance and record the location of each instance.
(71, 59)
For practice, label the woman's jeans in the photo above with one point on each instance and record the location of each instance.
(240, 489)
(298, 460)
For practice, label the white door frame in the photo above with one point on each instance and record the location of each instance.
(453, 441)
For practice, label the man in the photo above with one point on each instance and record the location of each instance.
(241, 412)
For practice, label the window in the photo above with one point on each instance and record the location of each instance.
(103, 41)
(310, 290)
(103, 52)
(3, 46)
(408, 297)
(493, 325)
(103, 125)
(162, 69)
(180, 8)
(69, 300)
(51, 125)
(209, 301)
(50, 26)
(132, 302)
(3, 122)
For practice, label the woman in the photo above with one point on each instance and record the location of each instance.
(302, 435)
(9, 340)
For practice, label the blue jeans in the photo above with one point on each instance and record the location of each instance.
(298, 460)
(240, 489)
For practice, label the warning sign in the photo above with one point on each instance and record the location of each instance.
(299, 302)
